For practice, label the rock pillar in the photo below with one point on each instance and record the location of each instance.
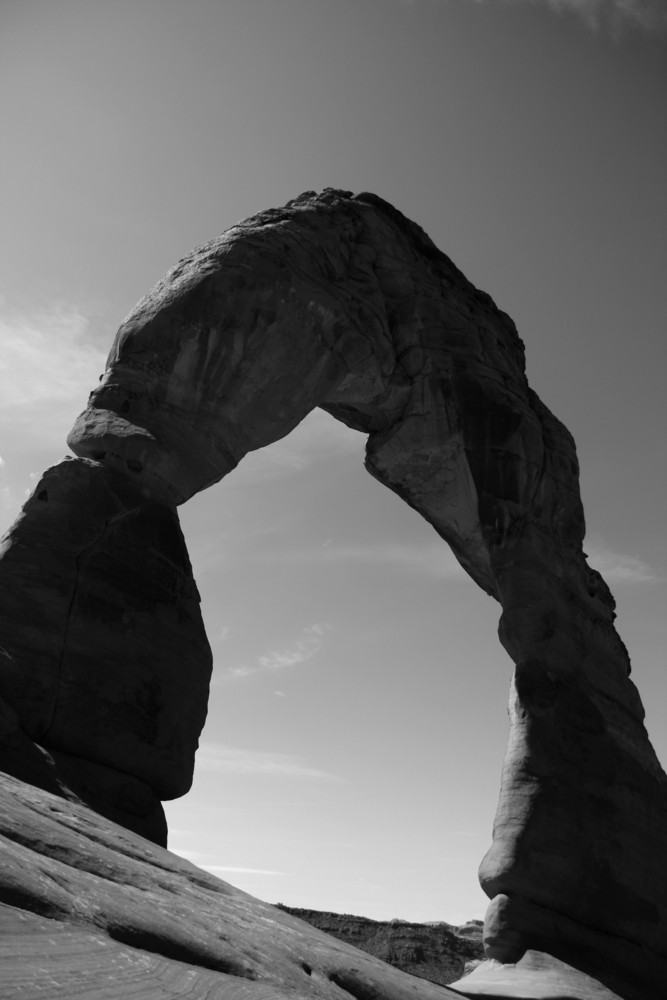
(106, 660)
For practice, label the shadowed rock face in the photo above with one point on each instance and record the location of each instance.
(340, 302)
(105, 652)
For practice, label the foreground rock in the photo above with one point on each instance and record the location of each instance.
(537, 976)
(340, 302)
(88, 909)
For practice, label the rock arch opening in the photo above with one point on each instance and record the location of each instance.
(340, 302)
(355, 650)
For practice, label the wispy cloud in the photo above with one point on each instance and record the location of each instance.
(200, 858)
(232, 760)
(302, 650)
(232, 870)
(305, 646)
(614, 16)
(48, 365)
(619, 569)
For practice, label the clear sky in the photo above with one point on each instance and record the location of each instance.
(357, 722)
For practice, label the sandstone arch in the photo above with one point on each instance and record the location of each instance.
(339, 301)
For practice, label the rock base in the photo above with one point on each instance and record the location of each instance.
(536, 977)
(117, 796)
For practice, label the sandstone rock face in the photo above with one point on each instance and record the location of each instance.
(537, 976)
(105, 654)
(339, 301)
(90, 910)
(115, 794)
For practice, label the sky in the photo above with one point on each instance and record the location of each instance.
(357, 721)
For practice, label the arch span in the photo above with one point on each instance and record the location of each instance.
(339, 301)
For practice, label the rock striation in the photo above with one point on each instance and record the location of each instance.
(341, 302)
(88, 909)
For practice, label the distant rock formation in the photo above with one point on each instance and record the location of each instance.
(438, 952)
(442, 954)
(339, 301)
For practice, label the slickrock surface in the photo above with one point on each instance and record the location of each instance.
(90, 910)
(339, 301)
(535, 977)
(437, 952)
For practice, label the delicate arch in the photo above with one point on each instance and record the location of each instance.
(341, 302)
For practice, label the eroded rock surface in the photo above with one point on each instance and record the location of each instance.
(339, 301)
(537, 976)
(104, 654)
(88, 909)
